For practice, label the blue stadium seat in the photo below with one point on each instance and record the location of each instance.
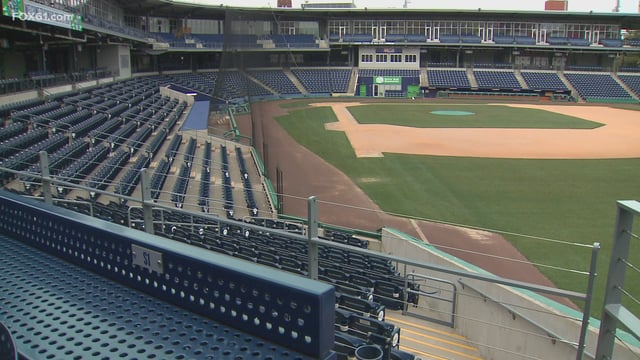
(538, 80)
(597, 86)
(632, 81)
(448, 78)
(494, 79)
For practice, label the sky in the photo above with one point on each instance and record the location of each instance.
(628, 6)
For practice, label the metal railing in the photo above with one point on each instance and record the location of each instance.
(541, 324)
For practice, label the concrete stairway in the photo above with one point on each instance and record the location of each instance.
(424, 79)
(427, 340)
(295, 81)
(351, 90)
(472, 78)
(518, 75)
(574, 92)
(624, 86)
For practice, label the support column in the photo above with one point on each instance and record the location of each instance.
(312, 234)
(46, 179)
(586, 315)
(147, 202)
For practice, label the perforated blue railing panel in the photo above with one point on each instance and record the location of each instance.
(58, 311)
(290, 311)
(8, 349)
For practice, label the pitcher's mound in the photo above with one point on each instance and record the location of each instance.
(452, 112)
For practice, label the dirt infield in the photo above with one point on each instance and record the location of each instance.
(306, 174)
(618, 138)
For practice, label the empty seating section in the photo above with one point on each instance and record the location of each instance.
(103, 131)
(246, 183)
(120, 136)
(7, 109)
(172, 148)
(234, 85)
(389, 72)
(182, 181)
(80, 168)
(395, 38)
(293, 41)
(159, 177)
(84, 127)
(23, 159)
(108, 170)
(366, 286)
(65, 123)
(21, 142)
(361, 38)
(493, 79)
(632, 81)
(537, 80)
(598, 87)
(448, 78)
(138, 139)
(189, 152)
(180, 186)
(12, 130)
(633, 42)
(53, 115)
(319, 81)
(130, 179)
(227, 191)
(214, 41)
(58, 160)
(155, 143)
(105, 154)
(524, 40)
(416, 38)
(611, 42)
(557, 40)
(503, 39)
(172, 40)
(470, 39)
(205, 179)
(276, 80)
(579, 42)
(25, 115)
(449, 38)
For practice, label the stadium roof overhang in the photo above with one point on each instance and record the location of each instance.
(184, 9)
(27, 34)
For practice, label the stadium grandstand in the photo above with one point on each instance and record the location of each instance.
(138, 221)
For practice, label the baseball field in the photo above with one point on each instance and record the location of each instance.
(543, 177)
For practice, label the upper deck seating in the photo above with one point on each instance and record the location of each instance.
(524, 40)
(503, 39)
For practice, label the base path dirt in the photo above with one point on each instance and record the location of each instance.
(619, 137)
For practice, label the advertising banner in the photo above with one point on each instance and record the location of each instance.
(388, 80)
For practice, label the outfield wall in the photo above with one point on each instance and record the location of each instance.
(505, 323)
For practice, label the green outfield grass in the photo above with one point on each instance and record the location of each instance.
(485, 116)
(569, 200)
